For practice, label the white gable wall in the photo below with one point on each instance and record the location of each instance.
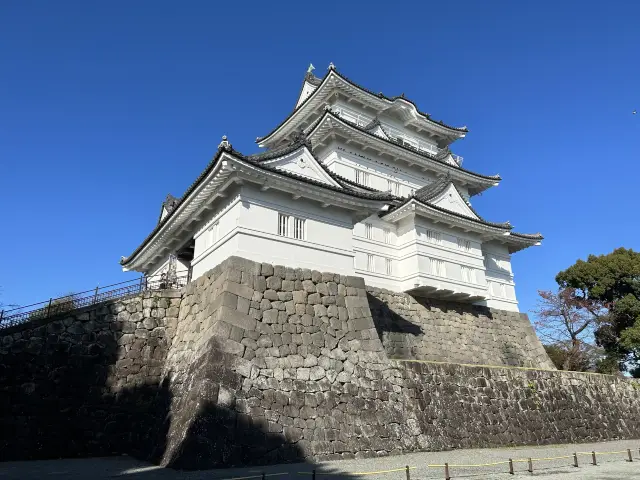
(307, 89)
(451, 200)
(302, 163)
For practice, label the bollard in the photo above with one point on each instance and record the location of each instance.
(408, 476)
(593, 457)
(629, 454)
(313, 474)
(511, 466)
(575, 460)
(530, 469)
(446, 472)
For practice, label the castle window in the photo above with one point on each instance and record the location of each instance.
(464, 245)
(283, 225)
(362, 178)
(472, 275)
(438, 268)
(371, 263)
(298, 228)
(465, 274)
(213, 233)
(387, 235)
(388, 266)
(434, 237)
(368, 231)
(393, 187)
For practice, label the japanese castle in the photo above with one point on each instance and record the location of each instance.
(351, 182)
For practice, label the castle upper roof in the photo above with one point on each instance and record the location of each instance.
(318, 90)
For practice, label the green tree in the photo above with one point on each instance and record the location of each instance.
(609, 285)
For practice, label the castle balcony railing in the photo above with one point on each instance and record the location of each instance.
(398, 135)
(74, 301)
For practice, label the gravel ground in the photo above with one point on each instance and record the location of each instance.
(613, 466)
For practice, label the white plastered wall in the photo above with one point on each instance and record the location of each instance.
(248, 227)
(500, 284)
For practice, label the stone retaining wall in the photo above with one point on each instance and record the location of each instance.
(88, 382)
(254, 363)
(426, 329)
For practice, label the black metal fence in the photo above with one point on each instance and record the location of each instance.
(67, 303)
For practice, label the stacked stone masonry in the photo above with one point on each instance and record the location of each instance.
(254, 364)
(426, 329)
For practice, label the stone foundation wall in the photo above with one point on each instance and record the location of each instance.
(255, 364)
(87, 383)
(426, 329)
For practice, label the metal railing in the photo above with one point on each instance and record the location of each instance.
(73, 301)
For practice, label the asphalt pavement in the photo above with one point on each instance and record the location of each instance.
(609, 466)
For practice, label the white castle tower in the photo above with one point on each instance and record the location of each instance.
(351, 182)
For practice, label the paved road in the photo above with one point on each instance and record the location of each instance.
(609, 467)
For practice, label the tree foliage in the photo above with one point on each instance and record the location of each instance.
(609, 285)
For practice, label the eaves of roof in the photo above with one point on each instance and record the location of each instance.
(506, 226)
(380, 95)
(373, 195)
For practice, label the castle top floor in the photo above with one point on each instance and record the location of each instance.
(398, 116)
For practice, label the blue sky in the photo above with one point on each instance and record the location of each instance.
(105, 107)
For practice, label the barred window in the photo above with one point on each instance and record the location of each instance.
(388, 265)
(393, 187)
(438, 268)
(362, 178)
(434, 237)
(387, 235)
(298, 228)
(371, 263)
(464, 245)
(465, 274)
(283, 225)
(368, 231)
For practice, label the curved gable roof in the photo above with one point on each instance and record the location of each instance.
(379, 97)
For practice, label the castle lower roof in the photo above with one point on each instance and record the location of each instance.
(369, 198)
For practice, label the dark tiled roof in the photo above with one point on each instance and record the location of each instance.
(319, 82)
(480, 220)
(406, 147)
(432, 190)
(300, 142)
(402, 97)
(251, 159)
(528, 236)
(371, 195)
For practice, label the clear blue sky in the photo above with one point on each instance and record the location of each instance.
(105, 107)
